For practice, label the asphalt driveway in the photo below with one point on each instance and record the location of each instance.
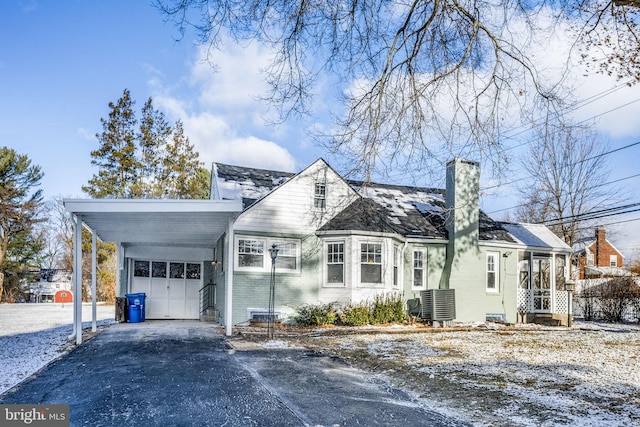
(184, 373)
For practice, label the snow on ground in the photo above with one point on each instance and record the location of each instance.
(33, 335)
(588, 375)
(486, 374)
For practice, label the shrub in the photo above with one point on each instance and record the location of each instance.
(316, 315)
(615, 296)
(355, 314)
(388, 308)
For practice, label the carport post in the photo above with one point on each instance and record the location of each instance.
(94, 297)
(77, 291)
(228, 310)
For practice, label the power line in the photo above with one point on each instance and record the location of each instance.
(572, 164)
(588, 216)
(587, 189)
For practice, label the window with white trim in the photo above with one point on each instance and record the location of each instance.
(335, 263)
(396, 265)
(492, 272)
(418, 269)
(252, 254)
(590, 258)
(320, 195)
(287, 258)
(613, 260)
(370, 263)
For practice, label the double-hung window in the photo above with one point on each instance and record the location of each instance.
(335, 263)
(252, 254)
(320, 195)
(613, 260)
(396, 265)
(287, 255)
(418, 269)
(370, 263)
(492, 272)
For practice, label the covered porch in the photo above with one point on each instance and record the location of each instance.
(161, 230)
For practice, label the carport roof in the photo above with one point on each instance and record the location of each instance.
(197, 223)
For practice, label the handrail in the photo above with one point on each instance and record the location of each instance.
(207, 298)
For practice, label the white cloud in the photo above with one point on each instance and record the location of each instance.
(223, 117)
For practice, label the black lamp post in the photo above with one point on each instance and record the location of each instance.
(273, 251)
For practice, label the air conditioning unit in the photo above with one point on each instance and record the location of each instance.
(438, 304)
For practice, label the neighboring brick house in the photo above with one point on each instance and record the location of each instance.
(597, 257)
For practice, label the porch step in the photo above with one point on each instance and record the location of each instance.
(546, 320)
(210, 315)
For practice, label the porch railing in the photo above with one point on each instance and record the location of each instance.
(207, 298)
(525, 301)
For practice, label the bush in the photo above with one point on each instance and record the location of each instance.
(388, 308)
(316, 315)
(613, 301)
(354, 314)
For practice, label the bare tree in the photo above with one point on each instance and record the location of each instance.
(568, 179)
(420, 80)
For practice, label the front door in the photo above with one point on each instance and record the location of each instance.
(542, 285)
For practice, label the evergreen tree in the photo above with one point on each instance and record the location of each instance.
(20, 204)
(120, 168)
(156, 161)
(179, 177)
(155, 132)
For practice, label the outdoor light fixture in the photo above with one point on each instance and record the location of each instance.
(273, 251)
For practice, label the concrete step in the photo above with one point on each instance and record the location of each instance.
(546, 320)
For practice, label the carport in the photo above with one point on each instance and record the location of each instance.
(151, 225)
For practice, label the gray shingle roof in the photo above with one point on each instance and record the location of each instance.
(405, 210)
(248, 184)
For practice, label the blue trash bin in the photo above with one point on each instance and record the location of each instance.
(136, 307)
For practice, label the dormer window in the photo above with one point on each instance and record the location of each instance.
(320, 195)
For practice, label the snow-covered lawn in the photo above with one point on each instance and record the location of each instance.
(33, 335)
(588, 375)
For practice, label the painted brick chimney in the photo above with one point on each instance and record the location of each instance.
(462, 204)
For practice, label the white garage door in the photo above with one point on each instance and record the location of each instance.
(172, 288)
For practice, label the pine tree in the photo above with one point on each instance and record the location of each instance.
(120, 169)
(155, 132)
(20, 204)
(179, 177)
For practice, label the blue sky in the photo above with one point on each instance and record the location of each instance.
(62, 62)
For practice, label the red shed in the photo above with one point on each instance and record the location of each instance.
(63, 296)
